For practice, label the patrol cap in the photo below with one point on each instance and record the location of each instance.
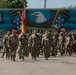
(61, 33)
(34, 31)
(55, 33)
(13, 30)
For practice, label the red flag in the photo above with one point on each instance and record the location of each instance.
(23, 17)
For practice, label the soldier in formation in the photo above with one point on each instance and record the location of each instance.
(34, 42)
(13, 45)
(5, 46)
(23, 44)
(47, 44)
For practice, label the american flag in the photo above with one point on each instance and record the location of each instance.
(16, 21)
(60, 22)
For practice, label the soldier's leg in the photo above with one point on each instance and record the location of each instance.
(61, 50)
(7, 53)
(13, 54)
(10, 54)
(38, 51)
(35, 52)
(53, 51)
(45, 53)
(19, 53)
(32, 52)
(22, 54)
(4, 51)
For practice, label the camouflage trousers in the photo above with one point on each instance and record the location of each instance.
(46, 51)
(23, 52)
(12, 53)
(70, 49)
(54, 50)
(62, 49)
(35, 51)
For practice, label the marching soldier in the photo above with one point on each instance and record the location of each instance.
(47, 43)
(5, 46)
(70, 44)
(55, 42)
(23, 43)
(73, 42)
(61, 43)
(13, 44)
(34, 42)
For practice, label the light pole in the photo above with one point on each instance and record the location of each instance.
(44, 4)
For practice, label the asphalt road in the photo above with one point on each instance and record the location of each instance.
(65, 65)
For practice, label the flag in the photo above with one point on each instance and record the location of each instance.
(16, 22)
(23, 17)
(60, 21)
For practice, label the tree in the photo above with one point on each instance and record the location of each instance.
(12, 3)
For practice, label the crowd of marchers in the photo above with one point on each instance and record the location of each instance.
(37, 44)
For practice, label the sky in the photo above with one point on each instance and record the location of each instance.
(50, 3)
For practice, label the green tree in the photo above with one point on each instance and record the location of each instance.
(12, 3)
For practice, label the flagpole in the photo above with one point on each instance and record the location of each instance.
(54, 20)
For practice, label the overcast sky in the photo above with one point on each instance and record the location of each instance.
(50, 3)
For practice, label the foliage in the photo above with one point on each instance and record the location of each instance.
(12, 3)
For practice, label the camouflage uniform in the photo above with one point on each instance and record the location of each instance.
(61, 43)
(23, 43)
(34, 42)
(13, 45)
(55, 42)
(73, 42)
(47, 43)
(5, 46)
(41, 39)
(70, 44)
(67, 44)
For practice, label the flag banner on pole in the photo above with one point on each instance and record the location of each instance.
(23, 17)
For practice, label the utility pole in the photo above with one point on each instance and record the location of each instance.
(44, 4)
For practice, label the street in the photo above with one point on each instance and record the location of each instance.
(65, 65)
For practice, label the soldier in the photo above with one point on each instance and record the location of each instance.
(46, 32)
(70, 44)
(47, 43)
(73, 42)
(55, 42)
(34, 42)
(39, 50)
(13, 44)
(5, 45)
(23, 43)
(61, 43)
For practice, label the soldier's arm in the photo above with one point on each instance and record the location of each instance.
(9, 41)
(29, 41)
(42, 41)
(19, 39)
(4, 40)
